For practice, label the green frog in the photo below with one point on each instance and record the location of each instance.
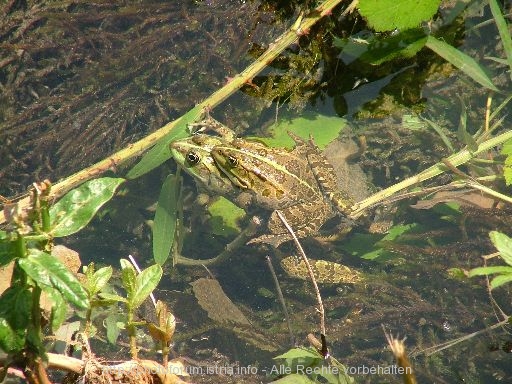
(300, 182)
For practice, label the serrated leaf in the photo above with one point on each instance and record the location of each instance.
(324, 129)
(388, 15)
(47, 270)
(500, 280)
(225, 217)
(160, 152)
(460, 60)
(503, 244)
(164, 225)
(74, 211)
(146, 282)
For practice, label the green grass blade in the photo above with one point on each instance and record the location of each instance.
(503, 31)
(461, 61)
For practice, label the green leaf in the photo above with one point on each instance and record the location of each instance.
(297, 353)
(225, 217)
(324, 129)
(483, 271)
(59, 308)
(101, 278)
(10, 340)
(388, 15)
(128, 275)
(500, 280)
(160, 152)
(113, 330)
(146, 282)
(78, 207)
(503, 244)
(164, 225)
(460, 60)
(16, 306)
(404, 44)
(503, 30)
(95, 281)
(294, 378)
(507, 169)
(47, 270)
(462, 132)
(112, 297)
(7, 252)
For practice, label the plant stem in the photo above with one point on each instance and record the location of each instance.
(456, 159)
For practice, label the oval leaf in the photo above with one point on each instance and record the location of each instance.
(78, 207)
(461, 61)
(146, 282)
(43, 267)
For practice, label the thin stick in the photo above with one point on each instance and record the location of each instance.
(320, 308)
(281, 299)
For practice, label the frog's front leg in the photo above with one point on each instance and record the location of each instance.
(209, 124)
(305, 220)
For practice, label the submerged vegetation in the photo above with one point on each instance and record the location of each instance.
(426, 102)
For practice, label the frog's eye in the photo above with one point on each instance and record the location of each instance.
(233, 161)
(193, 158)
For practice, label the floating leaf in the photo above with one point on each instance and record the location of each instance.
(388, 15)
(225, 217)
(74, 211)
(164, 224)
(324, 129)
(460, 60)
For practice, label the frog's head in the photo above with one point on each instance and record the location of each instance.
(193, 155)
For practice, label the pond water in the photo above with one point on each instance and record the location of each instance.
(120, 72)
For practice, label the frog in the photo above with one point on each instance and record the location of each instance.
(298, 182)
(284, 180)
